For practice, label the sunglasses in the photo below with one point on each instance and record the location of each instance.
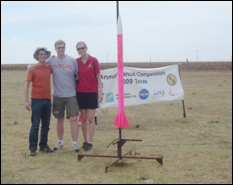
(81, 48)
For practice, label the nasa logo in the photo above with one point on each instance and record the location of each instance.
(144, 94)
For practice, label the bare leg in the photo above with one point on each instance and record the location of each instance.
(60, 128)
(84, 123)
(91, 119)
(74, 128)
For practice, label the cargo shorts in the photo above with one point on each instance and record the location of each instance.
(61, 104)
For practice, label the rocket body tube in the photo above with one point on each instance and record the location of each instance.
(121, 120)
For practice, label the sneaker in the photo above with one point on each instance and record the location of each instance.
(85, 146)
(33, 153)
(46, 150)
(75, 147)
(89, 146)
(59, 145)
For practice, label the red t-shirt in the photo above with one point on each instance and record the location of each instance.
(87, 75)
(40, 78)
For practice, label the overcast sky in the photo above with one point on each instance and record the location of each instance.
(152, 31)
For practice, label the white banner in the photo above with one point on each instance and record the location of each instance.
(142, 86)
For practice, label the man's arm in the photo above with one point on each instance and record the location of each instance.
(31, 67)
(27, 103)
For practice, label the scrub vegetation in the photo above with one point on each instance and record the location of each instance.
(196, 149)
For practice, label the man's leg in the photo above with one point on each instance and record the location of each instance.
(60, 128)
(46, 115)
(60, 132)
(72, 110)
(74, 128)
(58, 112)
(35, 120)
(74, 133)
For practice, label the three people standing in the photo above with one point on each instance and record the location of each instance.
(89, 93)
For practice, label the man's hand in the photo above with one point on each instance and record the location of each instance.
(31, 68)
(76, 75)
(52, 56)
(27, 105)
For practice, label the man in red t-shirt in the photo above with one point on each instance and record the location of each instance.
(40, 101)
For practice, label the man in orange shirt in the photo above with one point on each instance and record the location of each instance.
(40, 101)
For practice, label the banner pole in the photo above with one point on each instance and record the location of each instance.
(184, 112)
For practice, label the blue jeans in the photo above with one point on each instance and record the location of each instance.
(41, 110)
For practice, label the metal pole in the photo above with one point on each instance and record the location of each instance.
(184, 112)
(119, 145)
(120, 136)
(184, 109)
(117, 9)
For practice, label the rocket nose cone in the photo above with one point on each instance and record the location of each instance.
(119, 25)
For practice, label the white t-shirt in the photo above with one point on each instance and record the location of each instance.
(63, 71)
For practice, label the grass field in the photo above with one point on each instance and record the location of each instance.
(196, 149)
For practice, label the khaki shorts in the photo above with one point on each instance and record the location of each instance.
(60, 104)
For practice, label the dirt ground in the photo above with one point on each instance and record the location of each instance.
(195, 149)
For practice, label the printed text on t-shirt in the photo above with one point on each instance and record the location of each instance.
(64, 66)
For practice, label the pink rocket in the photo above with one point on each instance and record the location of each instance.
(121, 120)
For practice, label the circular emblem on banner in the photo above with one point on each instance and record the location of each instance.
(171, 80)
(143, 94)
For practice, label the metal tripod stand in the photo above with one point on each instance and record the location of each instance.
(120, 142)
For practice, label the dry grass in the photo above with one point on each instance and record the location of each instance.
(196, 149)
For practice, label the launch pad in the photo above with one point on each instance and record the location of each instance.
(120, 142)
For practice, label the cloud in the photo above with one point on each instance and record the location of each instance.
(153, 30)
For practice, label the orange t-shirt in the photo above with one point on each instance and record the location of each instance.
(40, 78)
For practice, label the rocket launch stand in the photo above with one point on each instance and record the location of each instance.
(120, 142)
